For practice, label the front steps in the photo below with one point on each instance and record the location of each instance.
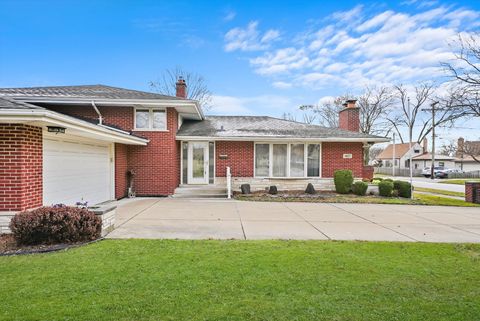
(200, 191)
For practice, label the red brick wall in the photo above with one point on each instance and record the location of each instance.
(332, 158)
(157, 165)
(367, 172)
(20, 167)
(472, 188)
(349, 119)
(121, 167)
(240, 158)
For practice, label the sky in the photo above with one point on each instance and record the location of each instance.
(259, 58)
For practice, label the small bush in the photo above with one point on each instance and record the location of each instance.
(359, 188)
(388, 180)
(378, 179)
(404, 189)
(385, 188)
(59, 224)
(343, 180)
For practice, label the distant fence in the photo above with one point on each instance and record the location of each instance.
(398, 171)
(472, 174)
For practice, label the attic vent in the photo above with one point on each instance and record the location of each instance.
(221, 128)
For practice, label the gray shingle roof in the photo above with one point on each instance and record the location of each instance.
(7, 103)
(85, 91)
(261, 127)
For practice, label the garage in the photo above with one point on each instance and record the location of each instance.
(76, 171)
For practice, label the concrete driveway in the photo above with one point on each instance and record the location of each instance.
(166, 218)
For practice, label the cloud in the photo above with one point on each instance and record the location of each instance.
(357, 47)
(229, 16)
(249, 38)
(231, 105)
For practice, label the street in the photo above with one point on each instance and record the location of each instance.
(432, 183)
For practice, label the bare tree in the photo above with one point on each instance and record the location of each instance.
(465, 72)
(448, 149)
(373, 152)
(375, 104)
(469, 148)
(326, 113)
(419, 119)
(197, 88)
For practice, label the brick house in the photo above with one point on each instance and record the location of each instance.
(87, 143)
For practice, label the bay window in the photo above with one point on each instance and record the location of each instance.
(150, 119)
(287, 160)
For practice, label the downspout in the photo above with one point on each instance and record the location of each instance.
(100, 118)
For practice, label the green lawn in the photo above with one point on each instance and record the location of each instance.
(244, 280)
(439, 191)
(459, 181)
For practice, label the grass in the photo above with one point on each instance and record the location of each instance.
(459, 181)
(244, 280)
(439, 191)
(419, 199)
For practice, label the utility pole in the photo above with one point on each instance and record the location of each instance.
(393, 157)
(432, 168)
(433, 141)
(410, 130)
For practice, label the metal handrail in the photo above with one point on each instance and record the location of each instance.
(229, 183)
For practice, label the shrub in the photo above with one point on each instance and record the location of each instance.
(343, 180)
(404, 189)
(385, 188)
(359, 188)
(378, 179)
(58, 224)
(388, 180)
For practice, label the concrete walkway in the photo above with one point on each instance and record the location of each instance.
(166, 218)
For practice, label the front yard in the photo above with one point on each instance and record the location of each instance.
(244, 280)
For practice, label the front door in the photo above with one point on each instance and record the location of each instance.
(198, 163)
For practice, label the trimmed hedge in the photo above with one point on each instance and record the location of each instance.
(388, 180)
(58, 224)
(404, 189)
(360, 188)
(385, 188)
(343, 180)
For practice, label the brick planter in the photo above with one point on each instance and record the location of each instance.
(472, 192)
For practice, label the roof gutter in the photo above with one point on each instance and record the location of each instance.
(48, 116)
(284, 139)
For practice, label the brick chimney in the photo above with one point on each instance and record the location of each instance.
(349, 117)
(181, 88)
(425, 145)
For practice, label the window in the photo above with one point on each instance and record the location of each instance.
(297, 160)
(287, 160)
(262, 160)
(313, 160)
(416, 151)
(279, 160)
(441, 164)
(150, 119)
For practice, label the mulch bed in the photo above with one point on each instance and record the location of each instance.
(8, 246)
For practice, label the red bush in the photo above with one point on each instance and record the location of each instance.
(58, 224)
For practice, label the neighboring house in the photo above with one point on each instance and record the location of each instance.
(81, 143)
(425, 160)
(465, 150)
(399, 154)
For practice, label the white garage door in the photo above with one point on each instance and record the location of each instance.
(74, 172)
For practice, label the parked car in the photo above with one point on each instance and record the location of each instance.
(427, 171)
(446, 172)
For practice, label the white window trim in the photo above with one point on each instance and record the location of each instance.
(150, 120)
(270, 160)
